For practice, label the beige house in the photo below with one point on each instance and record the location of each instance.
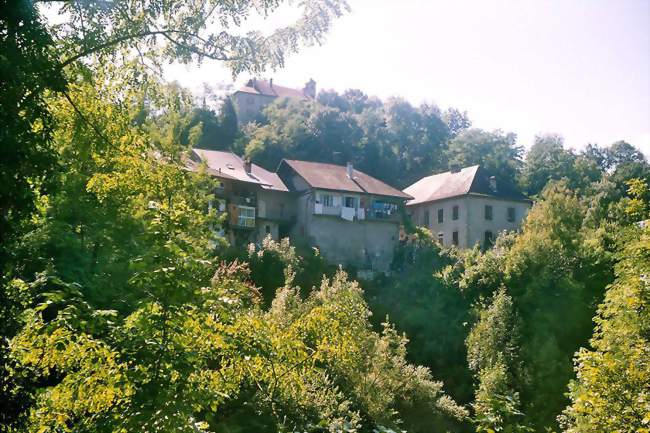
(351, 217)
(466, 207)
(251, 99)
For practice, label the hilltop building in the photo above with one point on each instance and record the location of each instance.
(252, 98)
(466, 207)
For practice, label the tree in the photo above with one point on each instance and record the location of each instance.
(611, 391)
(497, 152)
(29, 69)
(547, 160)
(493, 356)
(456, 121)
(303, 130)
(622, 153)
(557, 267)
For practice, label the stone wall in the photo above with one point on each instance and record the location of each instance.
(366, 244)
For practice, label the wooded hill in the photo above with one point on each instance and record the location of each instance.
(121, 311)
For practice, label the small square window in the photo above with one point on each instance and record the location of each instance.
(454, 213)
(488, 212)
(511, 214)
(441, 216)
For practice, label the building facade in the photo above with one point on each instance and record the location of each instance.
(250, 100)
(257, 202)
(466, 207)
(352, 218)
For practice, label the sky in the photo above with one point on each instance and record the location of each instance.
(580, 68)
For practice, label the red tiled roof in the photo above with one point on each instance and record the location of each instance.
(334, 177)
(469, 180)
(264, 87)
(230, 166)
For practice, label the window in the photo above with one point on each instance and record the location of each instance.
(511, 214)
(488, 240)
(426, 219)
(454, 213)
(441, 238)
(454, 238)
(246, 216)
(350, 202)
(441, 216)
(488, 212)
(327, 200)
(267, 229)
(281, 209)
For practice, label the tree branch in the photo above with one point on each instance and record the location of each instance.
(110, 43)
(85, 119)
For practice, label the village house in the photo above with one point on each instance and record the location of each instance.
(351, 217)
(257, 202)
(466, 207)
(252, 98)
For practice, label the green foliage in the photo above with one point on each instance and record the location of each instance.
(116, 316)
(433, 313)
(126, 331)
(547, 160)
(185, 364)
(638, 207)
(555, 269)
(493, 355)
(29, 70)
(390, 140)
(611, 391)
(497, 152)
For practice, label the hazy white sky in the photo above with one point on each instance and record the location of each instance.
(580, 68)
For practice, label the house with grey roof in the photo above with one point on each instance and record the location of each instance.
(251, 99)
(466, 207)
(256, 200)
(351, 217)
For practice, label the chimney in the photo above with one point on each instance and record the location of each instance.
(454, 167)
(247, 166)
(310, 89)
(349, 170)
(493, 183)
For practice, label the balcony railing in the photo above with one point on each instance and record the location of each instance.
(357, 214)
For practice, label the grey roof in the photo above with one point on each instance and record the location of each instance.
(334, 177)
(227, 165)
(469, 180)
